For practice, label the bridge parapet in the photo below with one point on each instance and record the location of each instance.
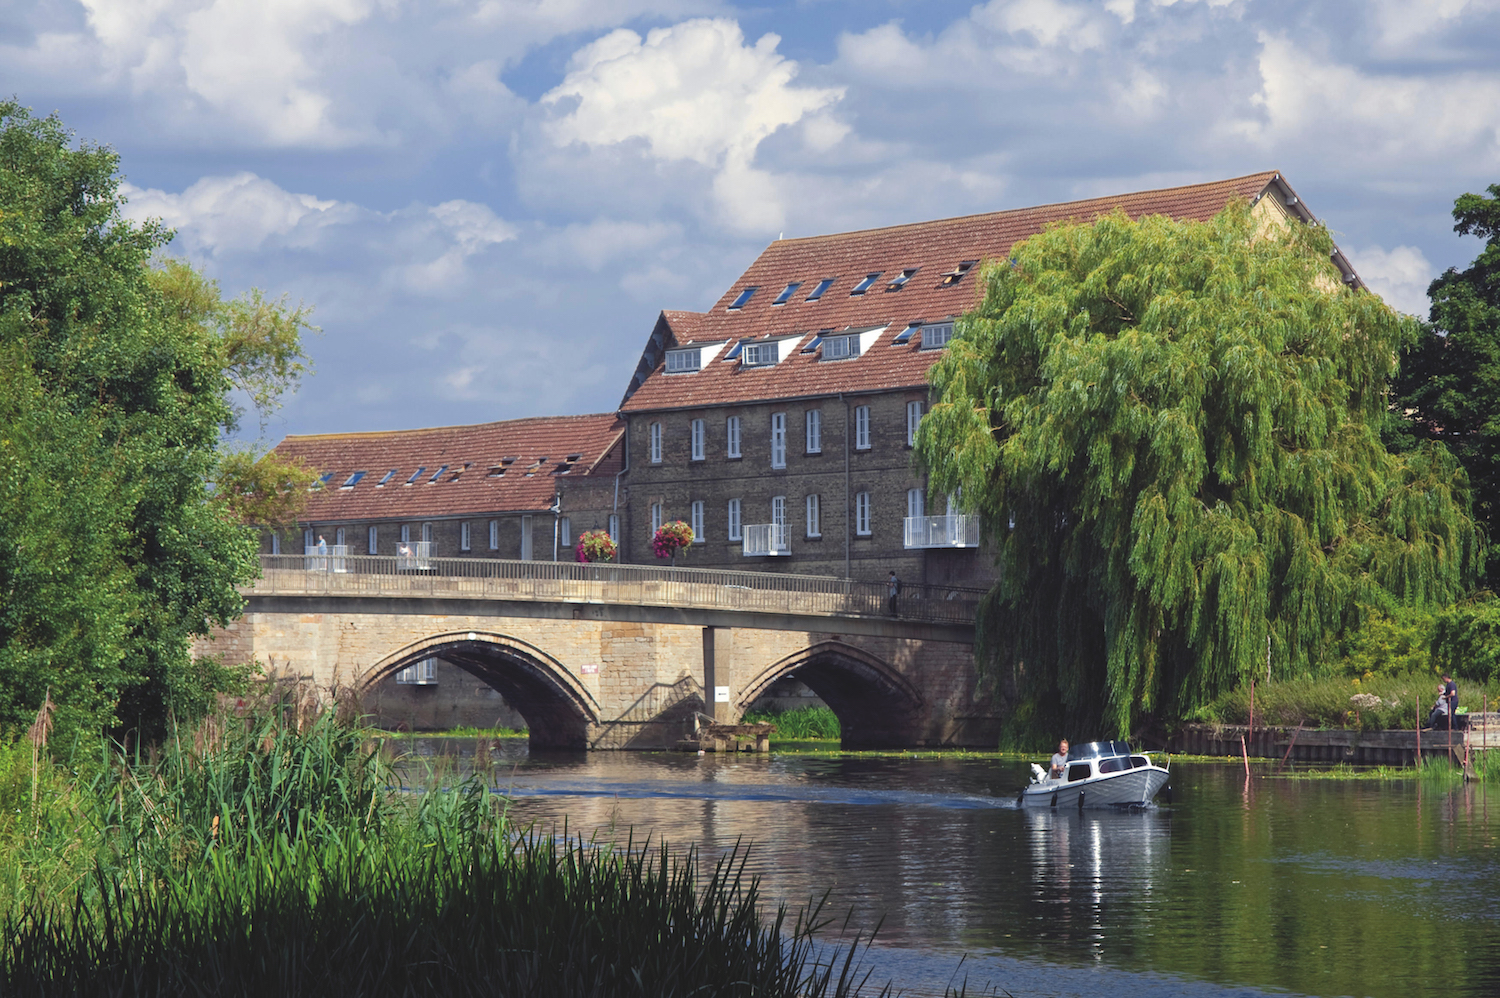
(568, 582)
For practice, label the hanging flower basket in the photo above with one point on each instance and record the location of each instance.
(671, 538)
(596, 545)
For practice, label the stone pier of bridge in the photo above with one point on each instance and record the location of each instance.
(591, 667)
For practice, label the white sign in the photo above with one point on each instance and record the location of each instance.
(591, 669)
(721, 694)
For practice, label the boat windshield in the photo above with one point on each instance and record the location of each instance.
(1098, 750)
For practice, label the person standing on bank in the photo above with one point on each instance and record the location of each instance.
(893, 588)
(1450, 693)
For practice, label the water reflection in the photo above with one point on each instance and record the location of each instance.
(1318, 887)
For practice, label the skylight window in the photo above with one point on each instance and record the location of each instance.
(734, 351)
(388, 476)
(323, 481)
(787, 292)
(865, 284)
(574, 457)
(744, 297)
(497, 471)
(955, 275)
(416, 475)
(353, 480)
(841, 347)
(906, 334)
(683, 361)
(823, 286)
(761, 354)
(816, 341)
(902, 278)
(437, 474)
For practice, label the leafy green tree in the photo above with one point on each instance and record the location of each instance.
(1449, 385)
(1171, 430)
(116, 389)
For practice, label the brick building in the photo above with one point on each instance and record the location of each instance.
(780, 423)
(512, 489)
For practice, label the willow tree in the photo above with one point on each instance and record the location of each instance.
(1171, 431)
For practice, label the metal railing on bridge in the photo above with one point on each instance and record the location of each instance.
(571, 582)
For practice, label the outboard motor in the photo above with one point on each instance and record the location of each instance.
(1038, 774)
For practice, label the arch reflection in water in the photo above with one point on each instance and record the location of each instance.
(1081, 859)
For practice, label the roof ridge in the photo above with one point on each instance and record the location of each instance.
(367, 434)
(1268, 174)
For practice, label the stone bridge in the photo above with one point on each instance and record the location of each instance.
(623, 656)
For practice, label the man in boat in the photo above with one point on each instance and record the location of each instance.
(1059, 761)
(1439, 718)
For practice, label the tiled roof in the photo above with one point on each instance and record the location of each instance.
(934, 248)
(472, 455)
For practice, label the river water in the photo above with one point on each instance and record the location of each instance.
(1275, 886)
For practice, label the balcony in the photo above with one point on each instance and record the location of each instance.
(766, 539)
(953, 531)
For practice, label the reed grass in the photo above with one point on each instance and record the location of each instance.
(801, 724)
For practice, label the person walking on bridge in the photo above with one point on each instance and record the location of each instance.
(893, 588)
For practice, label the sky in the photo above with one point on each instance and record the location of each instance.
(489, 201)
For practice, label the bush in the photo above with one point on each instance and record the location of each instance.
(801, 724)
(1384, 701)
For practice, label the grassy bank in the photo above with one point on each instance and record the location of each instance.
(1371, 702)
(257, 857)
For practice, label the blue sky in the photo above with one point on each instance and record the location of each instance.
(488, 201)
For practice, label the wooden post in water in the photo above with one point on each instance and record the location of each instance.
(1252, 714)
(1246, 756)
(1419, 733)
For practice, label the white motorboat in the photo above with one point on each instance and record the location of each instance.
(1098, 774)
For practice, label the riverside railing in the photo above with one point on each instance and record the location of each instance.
(571, 582)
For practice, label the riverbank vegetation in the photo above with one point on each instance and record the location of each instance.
(1180, 439)
(800, 725)
(268, 853)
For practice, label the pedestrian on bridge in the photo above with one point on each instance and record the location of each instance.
(893, 588)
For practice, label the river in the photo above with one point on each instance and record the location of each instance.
(1307, 886)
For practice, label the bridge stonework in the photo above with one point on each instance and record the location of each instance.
(601, 676)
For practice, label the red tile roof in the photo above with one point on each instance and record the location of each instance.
(935, 248)
(471, 454)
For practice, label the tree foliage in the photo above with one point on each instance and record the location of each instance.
(1449, 385)
(116, 380)
(1171, 430)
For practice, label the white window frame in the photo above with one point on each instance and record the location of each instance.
(861, 427)
(814, 515)
(916, 504)
(427, 535)
(778, 510)
(778, 440)
(913, 420)
(814, 419)
(528, 552)
(405, 533)
(338, 537)
(862, 514)
(684, 361)
(695, 520)
(275, 542)
(614, 527)
(760, 354)
(698, 442)
(308, 540)
(655, 518)
(494, 535)
(937, 335)
(732, 436)
(655, 443)
(463, 536)
(735, 534)
(565, 531)
(841, 347)
(374, 540)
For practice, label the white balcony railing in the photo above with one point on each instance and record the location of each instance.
(328, 558)
(414, 556)
(763, 539)
(954, 531)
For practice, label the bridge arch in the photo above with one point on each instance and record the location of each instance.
(560, 712)
(877, 706)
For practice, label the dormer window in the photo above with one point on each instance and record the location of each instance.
(865, 284)
(841, 347)
(787, 293)
(744, 297)
(353, 480)
(683, 361)
(936, 335)
(823, 286)
(955, 275)
(902, 278)
(760, 354)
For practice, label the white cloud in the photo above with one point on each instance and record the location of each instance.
(1400, 276)
(694, 92)
(238, 213)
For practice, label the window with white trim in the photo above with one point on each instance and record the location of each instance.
(840, 347)
(695, 520)
(861, 427)
(734, 520)
(936, 335)
(526, 549)
(760, 354)
(338, 537)
(463, 536)
(423, 673)
(405, 533)
(732, 436)
(374, 547)
(427, 533)
(778, 440)
(565, 531)
(494, 535)
(307, 539)
(655, 518)
(862, 514)
(656, 443)
(614, 527)
(683, 361)
(815, 431)
(913, 420)
(814, 517)
(916, 503)
(697, 439)
(778, 510)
